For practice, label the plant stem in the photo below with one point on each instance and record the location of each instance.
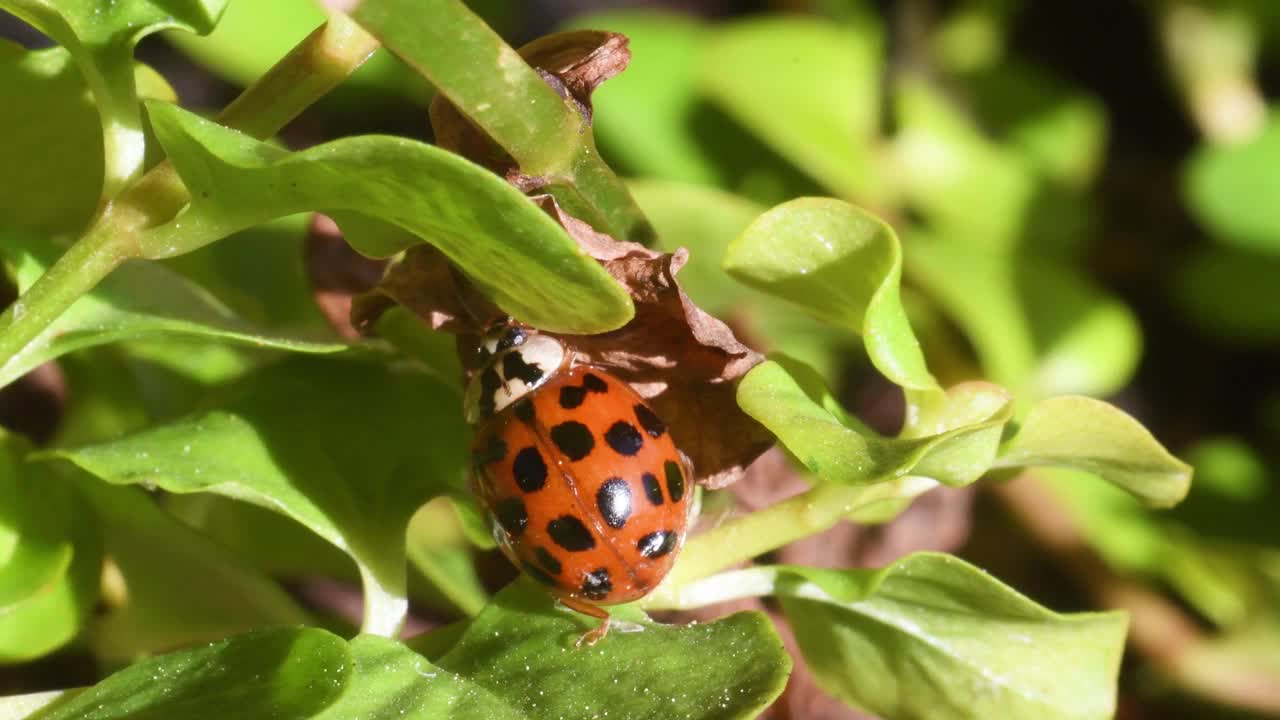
(806, 514)
(79, 269)
(306, 74)
(317, 65)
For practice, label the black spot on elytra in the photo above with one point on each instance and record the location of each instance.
(624, 438)
(511, 338)
(571, 396)
(489, 384)
(524, 411)
(594, 384)
(511, 516)
(657, 544)
(530, 469)
(675, 480)
(537, 573)
(614, 500)
(491, 452)
(651, 423)
(596, 584)
(570, 534)
(573, 438)
(547, 561)
(514, 367)
(652, 488)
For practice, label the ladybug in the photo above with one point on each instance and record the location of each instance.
(587, 492)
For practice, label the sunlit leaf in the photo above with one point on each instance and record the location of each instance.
(493, 87)
(1086, 434)
(841, 264)
(270, 674)
(439, 550)
(101, 35)
(521, 648)
(336, 445)
(934, 637)
(947, 170)
(1060, 130)
(505, 243)
(179, 587)
(789, 400)
(50, 557)
(1230, 188)
(808, 88)
(1039, 327)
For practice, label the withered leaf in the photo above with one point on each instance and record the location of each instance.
(683, 360)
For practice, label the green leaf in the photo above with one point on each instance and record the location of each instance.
(808, 88)
(50, 558)
(392, 682)
(439, 550)
(270, 674)
(521, 648)
(1059, 130)
(180, 588)
(294, 551)
(1039, 327)
(790, 400)
(260, 273)
(50, 141)
(252, 36)
(139, 300)
(493, 87)
(101, 35)
(841, 264)
(934, 637)
(349, 449)
(505, 243)
(1091, 435)
(964, 185)
(1230, 188)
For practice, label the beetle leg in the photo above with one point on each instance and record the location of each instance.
(591, 637)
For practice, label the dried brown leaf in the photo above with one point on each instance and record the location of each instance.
(685, 361)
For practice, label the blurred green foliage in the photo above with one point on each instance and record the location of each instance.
(956, 247)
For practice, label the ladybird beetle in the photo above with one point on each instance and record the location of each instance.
(586, 490)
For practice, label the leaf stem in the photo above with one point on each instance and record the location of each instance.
(306, 74)
(79, 269)
(385, 608)
(317, 65)
(796, 518)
